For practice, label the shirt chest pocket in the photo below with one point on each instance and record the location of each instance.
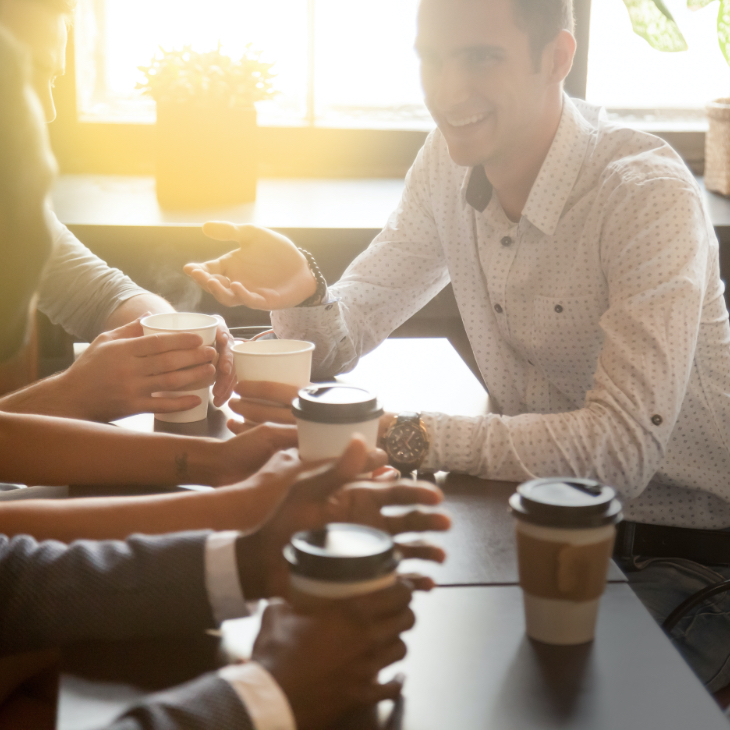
(566, 341)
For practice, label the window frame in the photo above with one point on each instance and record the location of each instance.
(301, 151)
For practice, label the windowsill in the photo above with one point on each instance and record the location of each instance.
(118, 200)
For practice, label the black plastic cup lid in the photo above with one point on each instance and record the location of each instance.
(342, 553)
(336, 403)
(566, 502)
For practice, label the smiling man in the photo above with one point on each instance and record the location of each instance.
(87, 297)
(586, 271)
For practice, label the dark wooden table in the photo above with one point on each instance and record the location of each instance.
(470, 665)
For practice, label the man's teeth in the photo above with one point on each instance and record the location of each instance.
(467, 120)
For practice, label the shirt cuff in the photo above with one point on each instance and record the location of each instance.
(221, 576)
(264, 700)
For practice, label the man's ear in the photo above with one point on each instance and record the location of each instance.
(558, 57)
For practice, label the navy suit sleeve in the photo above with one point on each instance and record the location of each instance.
(53, 594)
(206, 703)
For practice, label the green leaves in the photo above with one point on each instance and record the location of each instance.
(697, 4)
(723, 28)
(652, 21)
(210, 76)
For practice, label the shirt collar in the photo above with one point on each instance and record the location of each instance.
(555, 180)
(559, 171)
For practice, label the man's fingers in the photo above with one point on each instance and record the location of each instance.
(165, 342)
(390, 628)
(192, 378)
(127, 331)
(422, 550)
(416, 521)
(167, 362)
(263, 390)
(221, 293)
(380, 658)
(252, 299)
(275, 434)
(224, 231)
(418, 582)
(169, 404)
(370, 694)
(410, 492)
(258, 412)
(379, 604)
(238, 427)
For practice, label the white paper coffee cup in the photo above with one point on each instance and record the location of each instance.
(328, 415)
(565, 534)
(339, 561)
(204, 325)
(276, 361)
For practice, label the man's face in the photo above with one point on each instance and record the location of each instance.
(479, 78)
(44, 32)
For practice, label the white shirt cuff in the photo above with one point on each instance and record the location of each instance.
(221, 576)
(264, 700)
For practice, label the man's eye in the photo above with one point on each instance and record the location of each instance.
(480, 57)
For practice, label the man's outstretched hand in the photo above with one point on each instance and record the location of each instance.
(267, 271)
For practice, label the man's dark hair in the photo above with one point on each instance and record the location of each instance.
(543, 20)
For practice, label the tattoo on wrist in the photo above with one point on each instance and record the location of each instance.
(181, 466)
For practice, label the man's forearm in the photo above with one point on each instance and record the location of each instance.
(135, 307)
(51, 451)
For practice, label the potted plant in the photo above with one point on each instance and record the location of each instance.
(652, 21)
(206, 131)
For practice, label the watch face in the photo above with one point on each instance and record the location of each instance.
(407, 443)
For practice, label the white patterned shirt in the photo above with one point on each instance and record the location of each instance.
(597, 320)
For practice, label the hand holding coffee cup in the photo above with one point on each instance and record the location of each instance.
(269, 373)
(565, 534)
(203, 325)
(328, 415)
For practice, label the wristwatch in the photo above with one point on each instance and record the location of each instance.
(406, 442)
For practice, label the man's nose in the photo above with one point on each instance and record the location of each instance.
(452, 88)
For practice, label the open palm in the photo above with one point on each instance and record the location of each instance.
(267, 271)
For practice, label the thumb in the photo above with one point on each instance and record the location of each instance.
(131, 329)
(222, 231)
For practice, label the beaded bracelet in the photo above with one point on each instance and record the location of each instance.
(321, 291)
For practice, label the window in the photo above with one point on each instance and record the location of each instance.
(339, 63)
(648, 87)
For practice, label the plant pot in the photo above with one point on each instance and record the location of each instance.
(206, 155)
(717, 147)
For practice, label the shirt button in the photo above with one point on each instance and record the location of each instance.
(328, 307)
(506, 241)
(657, 420)
(498, 309)
(558, 308)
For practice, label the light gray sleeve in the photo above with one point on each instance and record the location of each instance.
(53, 594)
(400, 271)
(206, 703)
(78, 290)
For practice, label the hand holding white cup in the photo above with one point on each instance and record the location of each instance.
(205, 326)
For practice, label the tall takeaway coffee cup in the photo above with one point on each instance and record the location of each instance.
(328, 415)
(339, 561)
(565, 534)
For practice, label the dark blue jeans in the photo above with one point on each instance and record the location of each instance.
(703, 635)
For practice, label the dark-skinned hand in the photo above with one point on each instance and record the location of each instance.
(301, 497)
(327, 661)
